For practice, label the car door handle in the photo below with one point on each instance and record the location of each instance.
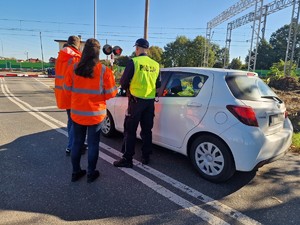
(194, 104)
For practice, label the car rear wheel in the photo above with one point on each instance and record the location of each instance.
(212, 158)
(108, 126)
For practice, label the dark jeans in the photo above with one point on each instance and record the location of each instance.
(70, 130)
(140, 111)
(93, 139)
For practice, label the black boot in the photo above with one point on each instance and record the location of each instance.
(123, 162)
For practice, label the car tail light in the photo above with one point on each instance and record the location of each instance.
(286, 114)
(252, 74)
(245, 114)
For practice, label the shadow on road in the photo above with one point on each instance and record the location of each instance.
(35, 178)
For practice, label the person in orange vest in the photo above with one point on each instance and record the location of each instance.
(67, 55)
(90, 84)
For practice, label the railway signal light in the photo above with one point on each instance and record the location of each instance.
(117, 50)
(107, 49)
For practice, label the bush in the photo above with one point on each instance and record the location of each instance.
(283, 83)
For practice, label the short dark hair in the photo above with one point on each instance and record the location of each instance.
(74, 41)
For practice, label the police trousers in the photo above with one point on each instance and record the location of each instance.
(140, 111)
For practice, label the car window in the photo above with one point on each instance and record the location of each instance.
(248, 88)
(264, 89)
(184, 85)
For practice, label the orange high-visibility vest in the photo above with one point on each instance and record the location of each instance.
(66, 57)
(88, 95)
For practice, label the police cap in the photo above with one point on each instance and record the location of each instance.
(143, 43)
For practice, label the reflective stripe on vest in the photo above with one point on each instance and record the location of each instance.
(59, 76)
(85, 113)
(58, 87)
(88, 91)
(69, 88)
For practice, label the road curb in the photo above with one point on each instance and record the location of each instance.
(26, 75)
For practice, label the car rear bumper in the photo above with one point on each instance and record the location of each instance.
(260, 164)
(253, 149)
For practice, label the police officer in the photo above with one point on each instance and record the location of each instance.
(140, 80)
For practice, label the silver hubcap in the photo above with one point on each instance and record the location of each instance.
(106, 125)
(209, 159)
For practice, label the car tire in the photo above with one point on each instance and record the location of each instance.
(108, 126)
(212, 158)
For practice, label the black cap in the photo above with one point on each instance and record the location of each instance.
(142, 43)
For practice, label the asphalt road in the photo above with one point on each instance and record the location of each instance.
(36, 187)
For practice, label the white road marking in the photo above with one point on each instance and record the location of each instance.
(206, 216)
(46, 107)
(188, 190)
(29, 109)
(48, 86)
(158, 188)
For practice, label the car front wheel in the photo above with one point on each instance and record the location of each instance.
(212, 158)
(108, 126)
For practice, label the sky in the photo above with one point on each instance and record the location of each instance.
(29, 28)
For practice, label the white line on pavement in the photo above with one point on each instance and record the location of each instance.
(15, 100)
(42, 82)
(30, 108)
(206, 216)
(188, 190)
(46, 107)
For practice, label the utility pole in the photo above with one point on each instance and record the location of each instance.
(95, 19)
(146, 20)
(42, 51)
(26, 53)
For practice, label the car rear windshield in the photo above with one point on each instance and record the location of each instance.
(248, 88)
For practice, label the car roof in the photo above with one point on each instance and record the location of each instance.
(205, 70)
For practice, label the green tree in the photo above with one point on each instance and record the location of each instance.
(176, 53)
(265, 55)
(275, 50)
(196, 52)
(278, 40)
(213, 54)
(220, 56)
(155, 52)
(122, 60)
(236, 63)
(185, 52)
(277, 69)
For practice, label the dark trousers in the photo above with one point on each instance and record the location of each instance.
(70, 130)
(139, 111)
(93, 139)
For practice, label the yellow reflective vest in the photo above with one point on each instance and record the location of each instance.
(143, 83)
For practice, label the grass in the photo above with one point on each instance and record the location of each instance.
(295, 147)
(13, 64)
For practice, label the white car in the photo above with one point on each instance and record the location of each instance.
(223, 120)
